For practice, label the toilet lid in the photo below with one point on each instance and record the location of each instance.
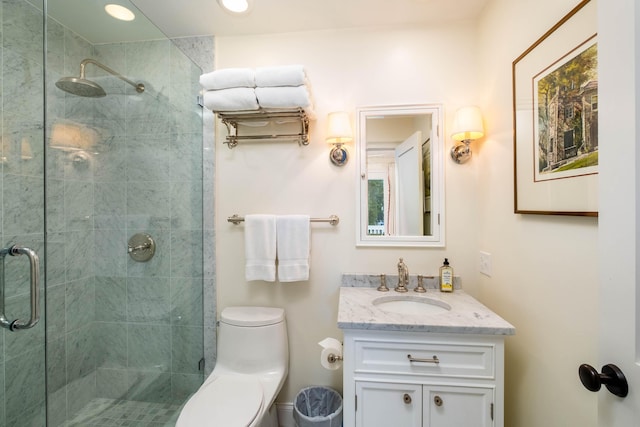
(252, 316)
(229, 401)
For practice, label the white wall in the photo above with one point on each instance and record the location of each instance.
(545, 268)
(347, 69)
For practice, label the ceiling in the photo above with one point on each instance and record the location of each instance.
(205, 17)
(181, 18)
(88, 18)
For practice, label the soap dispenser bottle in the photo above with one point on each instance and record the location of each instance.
(446, 277)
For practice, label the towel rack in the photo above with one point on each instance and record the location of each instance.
(333, 219)
(231, 119)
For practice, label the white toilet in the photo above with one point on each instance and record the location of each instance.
(252, 364)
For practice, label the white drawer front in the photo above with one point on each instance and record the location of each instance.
(445, 360)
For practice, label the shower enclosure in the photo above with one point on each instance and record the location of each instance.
(119, 341)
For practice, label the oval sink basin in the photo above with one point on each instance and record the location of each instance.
(410, 305)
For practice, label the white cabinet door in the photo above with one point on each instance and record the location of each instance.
(388, 404)
(457, 406)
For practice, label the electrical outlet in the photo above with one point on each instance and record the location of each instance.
(485, 263)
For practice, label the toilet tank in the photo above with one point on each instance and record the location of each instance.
(253, 340)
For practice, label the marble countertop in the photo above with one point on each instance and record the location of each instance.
(467, 316)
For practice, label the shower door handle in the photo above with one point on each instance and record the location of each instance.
(34, 268)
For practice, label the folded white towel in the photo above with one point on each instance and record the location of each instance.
(293, 235)
(234, 99)
(227, 78)
(286, 75)
(284, 97)
(260, 247)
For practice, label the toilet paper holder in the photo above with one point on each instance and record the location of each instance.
(331, 355)
(333, 358)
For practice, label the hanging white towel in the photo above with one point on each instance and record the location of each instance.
(293, 247)
(234, 99)
(227, 78)
(286, 75)
(260, 247)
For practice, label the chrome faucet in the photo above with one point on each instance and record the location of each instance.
(403, 277)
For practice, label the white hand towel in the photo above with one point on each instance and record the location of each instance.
(260, 247)
(286, 75)
(293, 247)
(286, 97)
(227, 78)
(234, 99)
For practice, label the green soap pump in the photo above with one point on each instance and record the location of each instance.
(446, 277)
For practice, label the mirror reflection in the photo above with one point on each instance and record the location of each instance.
(400, 165)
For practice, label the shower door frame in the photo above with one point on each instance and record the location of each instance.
(23, 366)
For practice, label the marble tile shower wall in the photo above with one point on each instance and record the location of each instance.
(22, 357)
(123, 329)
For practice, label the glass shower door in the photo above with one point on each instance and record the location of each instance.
(124, 332)
(22, 349)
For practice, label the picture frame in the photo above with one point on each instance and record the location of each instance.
(555, 119)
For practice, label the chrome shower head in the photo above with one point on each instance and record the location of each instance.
(82, 87)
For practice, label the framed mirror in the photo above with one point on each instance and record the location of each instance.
(400, 176)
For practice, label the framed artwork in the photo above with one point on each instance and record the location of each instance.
(555, 119)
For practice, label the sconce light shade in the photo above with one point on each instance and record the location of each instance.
(467, 126)
(73, 137)
(339, 133)
(339, 129)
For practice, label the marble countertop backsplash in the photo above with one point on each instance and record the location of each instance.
(361, 280)
(467, 315)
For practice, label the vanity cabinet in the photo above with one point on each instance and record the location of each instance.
(399, 378)
(412, 405)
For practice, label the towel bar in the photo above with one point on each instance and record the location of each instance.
(333, 219)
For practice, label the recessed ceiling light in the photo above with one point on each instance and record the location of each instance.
(120, 12)
(235, 6)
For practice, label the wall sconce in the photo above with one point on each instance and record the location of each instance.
(467, 126)
(70, 136)
(9, 149)
(339, 133)
(26, 153)
(76, 139)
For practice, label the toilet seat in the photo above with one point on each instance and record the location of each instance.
(228, 401)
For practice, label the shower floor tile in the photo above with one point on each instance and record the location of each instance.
(111, 412)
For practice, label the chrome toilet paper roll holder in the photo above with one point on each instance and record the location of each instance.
(333, 358)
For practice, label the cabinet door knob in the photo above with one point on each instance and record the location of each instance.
(406, 398)
(437, 400)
